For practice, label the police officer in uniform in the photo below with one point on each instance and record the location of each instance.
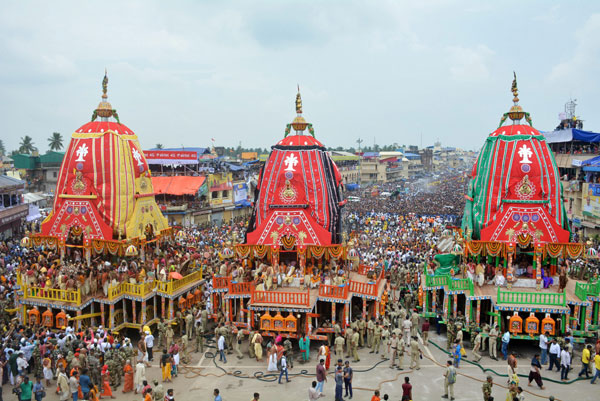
(493, 340)
(238, 343)
(477, 344)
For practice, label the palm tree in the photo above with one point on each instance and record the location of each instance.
(26, 145)
(159, 146)
(55, 141)
(2, 148)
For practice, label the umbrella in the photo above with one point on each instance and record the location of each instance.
(175, 276)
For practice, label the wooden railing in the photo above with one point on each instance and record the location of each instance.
(333, 291)
(461, 284)
(243, 288)
(364, 269)
(135, 290)
(370, 289)
(436, 281)
(454, 284)
(52, 294)
(170, 287)
(531, 298)
(221, 282)
(281, 298)
(583, 290)
(115, 291)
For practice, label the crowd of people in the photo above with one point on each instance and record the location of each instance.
(396, 235)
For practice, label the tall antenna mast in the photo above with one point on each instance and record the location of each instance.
(359, 141)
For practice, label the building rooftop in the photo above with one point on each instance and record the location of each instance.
(8, 182)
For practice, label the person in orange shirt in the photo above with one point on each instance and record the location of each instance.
(376, 396)
(128, 373)
(148, 395)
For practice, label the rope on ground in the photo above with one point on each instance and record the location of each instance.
(191, 372)
(493, 371)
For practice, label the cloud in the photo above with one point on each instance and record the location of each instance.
(469, 63)
(583, 62)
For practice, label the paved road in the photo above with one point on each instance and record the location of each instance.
(427, 382)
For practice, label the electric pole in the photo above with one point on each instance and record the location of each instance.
(359, 141)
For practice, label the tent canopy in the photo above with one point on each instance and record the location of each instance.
(177, 185)
(592, 164)
(571, 134)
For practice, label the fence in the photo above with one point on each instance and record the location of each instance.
(454, 284)
(52, 294)
(135, 290)
(221, 282)
(243, 288)
(281, 298)
(583, 290)
(170, 287)
(333, 291)
(532, 298)
(362, 288)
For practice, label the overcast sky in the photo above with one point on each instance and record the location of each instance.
(183, 72)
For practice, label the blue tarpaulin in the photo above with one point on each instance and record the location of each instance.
(351, 187)
(591, 164)
(234, 167)
(571, 134)
(243, 203)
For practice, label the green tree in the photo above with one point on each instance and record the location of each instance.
(2, 148)
(159, 146)
(26, 145)
(55, 141)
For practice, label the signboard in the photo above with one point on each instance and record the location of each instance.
(171, 157)
(591, 200)
(576, 162)
(240, 192)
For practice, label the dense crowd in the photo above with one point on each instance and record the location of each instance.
(395, 230)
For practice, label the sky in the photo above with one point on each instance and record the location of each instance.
(404, 72)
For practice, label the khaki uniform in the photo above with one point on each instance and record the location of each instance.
(493, 339)
(362, 327)
(339, 346)
(200, 341)
(477, 346)
(385, 336)
(349, 334)
(415, 352)
(251, 345)
(184, 348)
(161, 334)
(238, 343)
(169, 334)
(189, 325)
(376, 338)
(415, 324)
(337, 329)
(459, 337)
(448, 387)
(355, 341)
(370, 329)
(397, 351)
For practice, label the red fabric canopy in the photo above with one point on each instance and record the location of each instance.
(177, 185)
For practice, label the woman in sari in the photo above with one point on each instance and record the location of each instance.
(128, 381)
(457, 353)
(548, 281)
(305, 348)
(106, 390)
